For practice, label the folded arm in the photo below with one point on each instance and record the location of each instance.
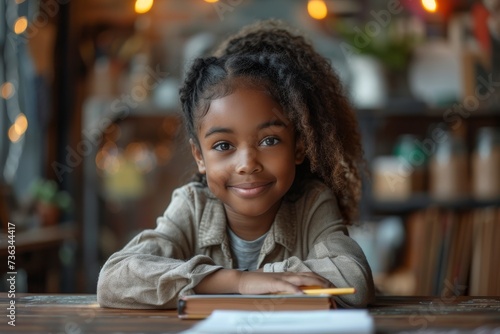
(147, 274)
(328, 251)
(340, 260)
(157, 266)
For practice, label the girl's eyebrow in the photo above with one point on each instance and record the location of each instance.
(274, 122)
(217, 129)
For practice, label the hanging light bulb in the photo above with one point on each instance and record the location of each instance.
(430, 5)
(317, 9)
(143, 6)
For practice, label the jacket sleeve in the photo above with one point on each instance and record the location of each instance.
(331, 253)
(156, 266)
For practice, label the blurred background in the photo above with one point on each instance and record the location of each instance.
(92, 144)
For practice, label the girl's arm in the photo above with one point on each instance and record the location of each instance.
(328, 250)
(341, 261)
(146, 274)
(156, 266)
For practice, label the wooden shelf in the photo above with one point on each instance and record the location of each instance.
(420, 110)
(37, 239)
(421, 201)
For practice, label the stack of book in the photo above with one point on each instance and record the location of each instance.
(201, 306)
(310, 312)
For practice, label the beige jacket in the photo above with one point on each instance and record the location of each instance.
(190, 242)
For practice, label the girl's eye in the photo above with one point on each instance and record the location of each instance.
(270, 141)
(222, 146)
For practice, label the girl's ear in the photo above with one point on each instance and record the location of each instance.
(300, 151)
(198, 157)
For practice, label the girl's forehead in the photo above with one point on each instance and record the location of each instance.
(245, 105)
(247, 97)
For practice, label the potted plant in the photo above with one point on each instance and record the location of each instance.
(392, 44)
(50, 202)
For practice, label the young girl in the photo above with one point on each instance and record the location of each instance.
(277, 150)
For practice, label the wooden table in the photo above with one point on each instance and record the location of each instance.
(79, 314)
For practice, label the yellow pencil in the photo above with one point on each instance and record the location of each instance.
(331, 291)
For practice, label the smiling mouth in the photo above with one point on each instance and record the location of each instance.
(249, 190)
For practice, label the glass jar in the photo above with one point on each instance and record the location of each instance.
(486, 164)
(409, 151)
(448, 169)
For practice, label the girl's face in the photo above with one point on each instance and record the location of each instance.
(248, 152)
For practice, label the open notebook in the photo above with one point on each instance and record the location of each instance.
(286, 322)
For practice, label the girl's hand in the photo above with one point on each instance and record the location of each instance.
(256, 282)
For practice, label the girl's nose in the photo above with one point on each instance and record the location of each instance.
(248, 162)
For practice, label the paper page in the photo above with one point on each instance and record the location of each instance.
(285, 322)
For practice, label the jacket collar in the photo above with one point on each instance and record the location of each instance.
(213, 226)
(284, 229)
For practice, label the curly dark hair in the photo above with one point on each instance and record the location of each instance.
(270, 56)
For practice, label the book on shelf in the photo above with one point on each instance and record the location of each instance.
(453, 252)
(201, 306)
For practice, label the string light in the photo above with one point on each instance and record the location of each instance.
(317, 9)
(20, 25)
(7, 90)
(13, 135)
(21, 124)
(17, 130)
(143, 6)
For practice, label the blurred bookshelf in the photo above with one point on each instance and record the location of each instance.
(450, 213)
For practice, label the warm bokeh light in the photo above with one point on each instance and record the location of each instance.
(113, 163)
(7, 90)
(141, 156)
(429, 5)
(108, 157)
(134, 149)
(317, 9)
(13, 135)
(163, 153)
(100, 159)
(143, 6)
(211, 1)
(21, 124)
(20, 25)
